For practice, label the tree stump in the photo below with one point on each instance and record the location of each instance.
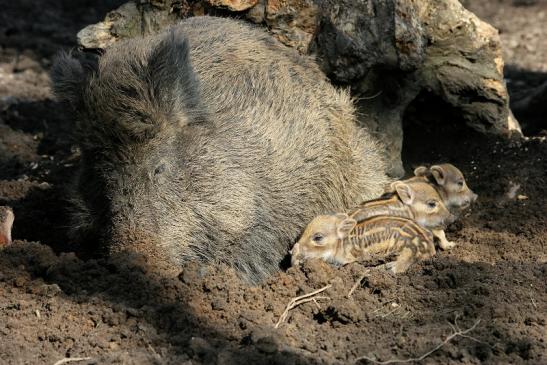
(387, 51)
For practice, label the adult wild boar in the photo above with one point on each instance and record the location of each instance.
(211, 142)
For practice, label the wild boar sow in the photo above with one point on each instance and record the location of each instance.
(210, 142)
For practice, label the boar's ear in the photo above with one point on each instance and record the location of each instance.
(405, 192)
(69, 76)
(171, 75)
(421, 171)
(439, 174)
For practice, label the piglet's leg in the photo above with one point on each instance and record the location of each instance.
(443, 242)
(405, 258)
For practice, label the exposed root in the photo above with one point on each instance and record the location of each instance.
(357, 283)
(457, 333)
(66, 360)
(294, 302)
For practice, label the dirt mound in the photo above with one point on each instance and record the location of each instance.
(121, 310)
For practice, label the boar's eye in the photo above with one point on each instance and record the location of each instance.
(432, 204)
(160, 169)
(317, 238)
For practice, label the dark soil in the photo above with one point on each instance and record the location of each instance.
(54, 304)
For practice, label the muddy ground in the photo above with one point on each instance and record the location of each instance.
(54, 304)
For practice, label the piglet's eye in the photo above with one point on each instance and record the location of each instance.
(317, 238)
(460, 184)
(432, 204)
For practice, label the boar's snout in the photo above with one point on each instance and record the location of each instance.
(127, 238)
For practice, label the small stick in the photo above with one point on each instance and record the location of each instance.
(71, 359)
(317, 304)
(294, 302)
(388, 313)
(154, 351)
(455, 334)
(357, 283)
(456, 328)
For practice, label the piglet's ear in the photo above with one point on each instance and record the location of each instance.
(439, 174)
(391, 188)
(421, 171)
(405, 192)
(344, 227)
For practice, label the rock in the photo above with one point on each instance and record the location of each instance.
(20, 281)
(267, 345)
(266, 341)
(234, 5)
(46, 290)
(218, 304)
(293, 22)
(120, 23)
(202, 348)
(258, 12)
(130, 20)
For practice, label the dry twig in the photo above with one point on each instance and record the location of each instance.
(294, 302)
(457, 333)
(66, 360)
(388, 313)
(316, 304)
(456, 328)
(357, 283)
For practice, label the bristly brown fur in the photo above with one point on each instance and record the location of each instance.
(212, 141)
